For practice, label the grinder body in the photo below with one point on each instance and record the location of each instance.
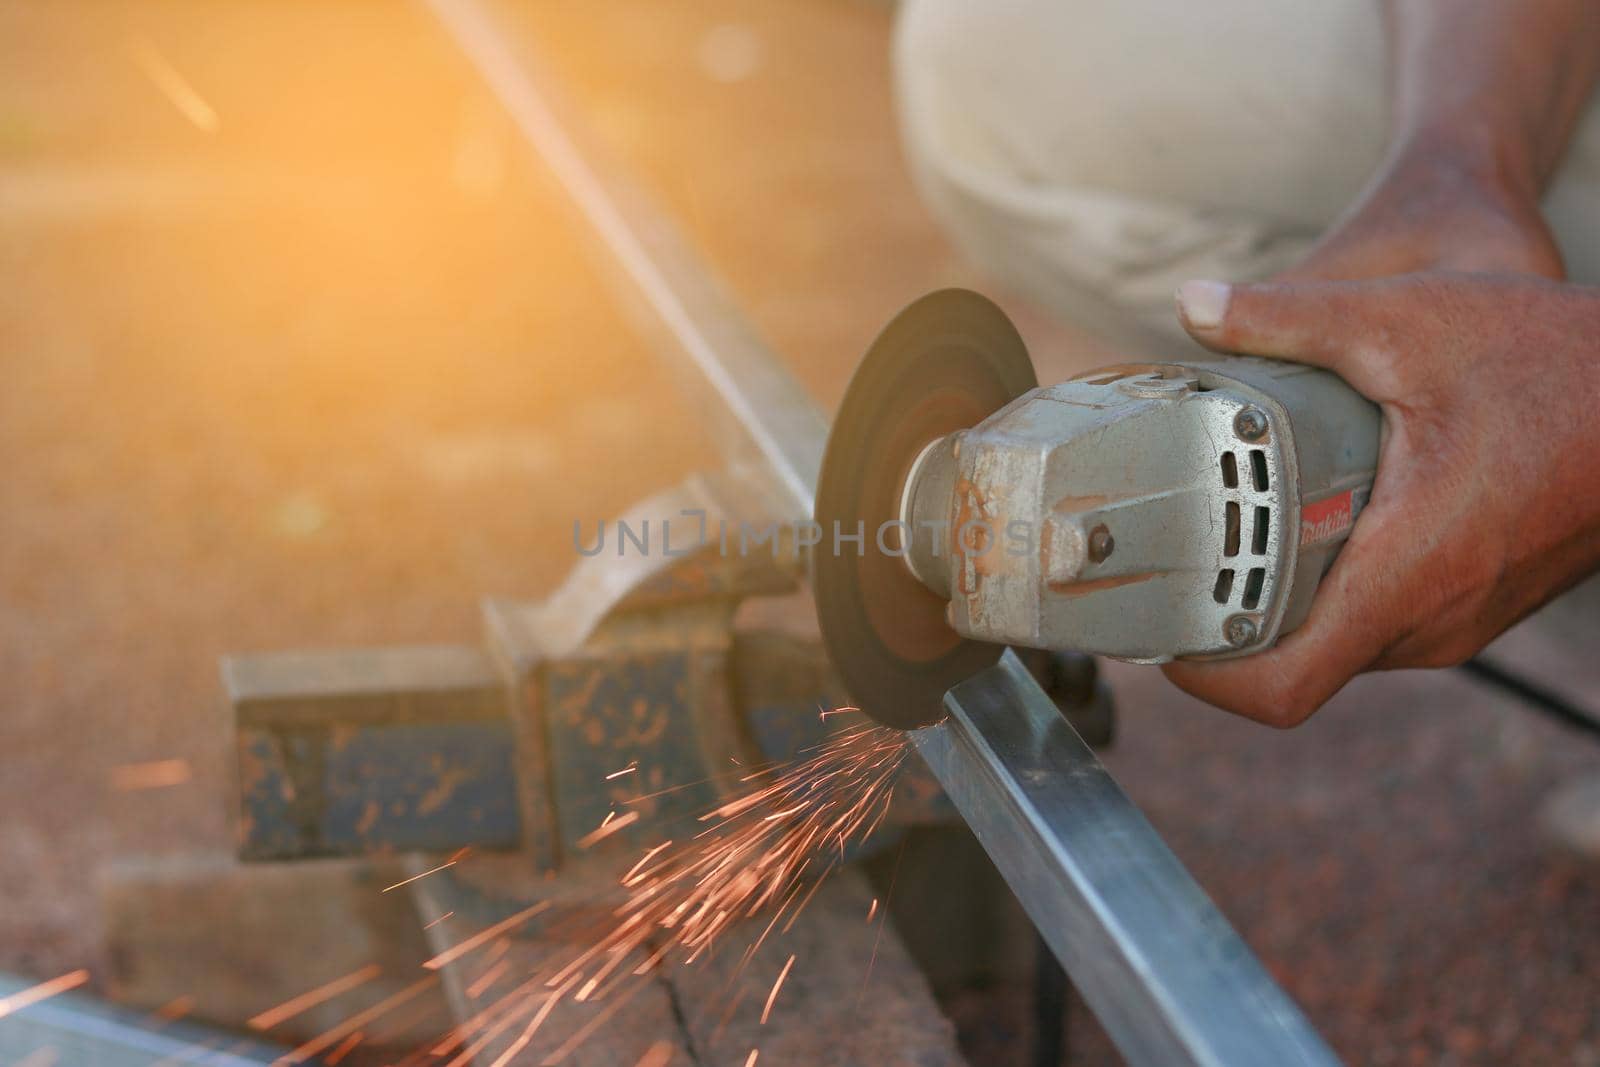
(1144, 512)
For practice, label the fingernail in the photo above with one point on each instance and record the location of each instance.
(1203, 304)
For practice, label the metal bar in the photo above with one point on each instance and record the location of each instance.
(1531, 693)
(1168, 978)
(76, 1029)
(1171, 980)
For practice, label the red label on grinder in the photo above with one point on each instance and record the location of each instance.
(1328, 519)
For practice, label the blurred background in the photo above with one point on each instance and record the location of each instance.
(300, 350)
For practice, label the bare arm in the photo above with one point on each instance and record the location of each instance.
(1498, 84)
(1485, 95)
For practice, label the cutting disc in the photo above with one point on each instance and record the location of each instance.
(945, 363)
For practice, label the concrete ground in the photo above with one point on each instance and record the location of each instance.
(299, 352)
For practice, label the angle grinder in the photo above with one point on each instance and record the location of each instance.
(1143, 512)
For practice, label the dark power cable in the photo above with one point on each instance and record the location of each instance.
(1534, 695)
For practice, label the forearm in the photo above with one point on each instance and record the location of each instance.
(1491, 86)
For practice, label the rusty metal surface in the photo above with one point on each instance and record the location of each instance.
(330, 763)
(341, 790)
(564, 721)
(370, 750)
(609, 713)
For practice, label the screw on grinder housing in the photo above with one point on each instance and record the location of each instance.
(1143, 512)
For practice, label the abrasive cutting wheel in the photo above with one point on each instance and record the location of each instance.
(946, 363)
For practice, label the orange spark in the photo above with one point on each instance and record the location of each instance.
(894, 875)
(533, 1026)
(174, 1009)
(607, 828)
(487, 979)
(344, 1048)
(510, 1004)
(657, 1055)
(156, 774)
(755, 854)
(872, 910)
(772, 997)
(628, 878)
(590, 1027)
(354, 1023)
(424, 874)
(440, 919)
(485, 936)
(43, 991)
(767, 851)
(629, 769)
(785, 813)
(306, 1001)
(468, 1054)
(751, 1061)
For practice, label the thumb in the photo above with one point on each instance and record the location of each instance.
(1322, 323)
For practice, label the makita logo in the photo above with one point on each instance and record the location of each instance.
(1326, 519)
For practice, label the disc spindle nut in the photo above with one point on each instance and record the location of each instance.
(1240, 630)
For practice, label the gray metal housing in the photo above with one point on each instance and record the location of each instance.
(1146, 511)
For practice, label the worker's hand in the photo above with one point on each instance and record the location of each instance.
(1487, 500)
(1435, 210)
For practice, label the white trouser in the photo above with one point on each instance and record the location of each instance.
(1092, 154)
